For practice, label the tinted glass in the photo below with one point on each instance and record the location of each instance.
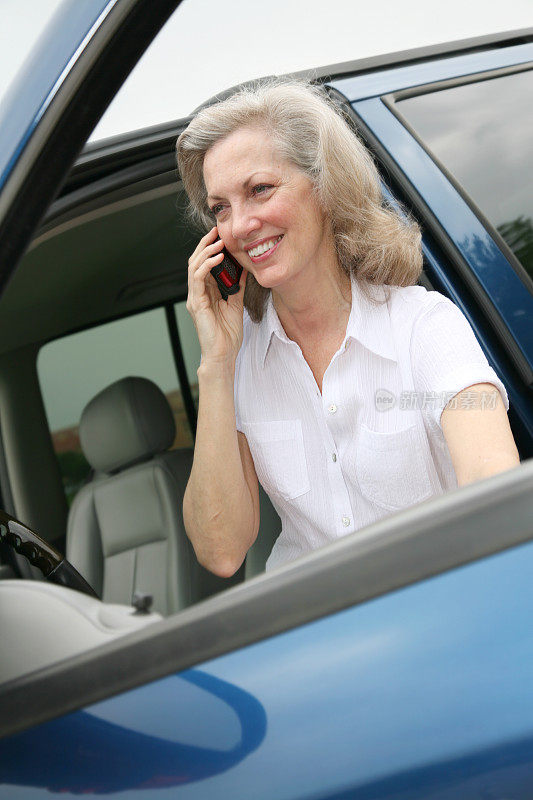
(483, 134)
(190, 347)
(72, 370)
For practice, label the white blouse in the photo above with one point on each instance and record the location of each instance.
(371, 443)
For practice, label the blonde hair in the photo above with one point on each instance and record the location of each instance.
(375, 242)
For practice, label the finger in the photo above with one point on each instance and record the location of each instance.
(196, 260)
(201, 274)
(197, 276)
(209, 237)
(213, 248)
(207, 265)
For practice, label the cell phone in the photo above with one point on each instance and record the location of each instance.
(227, 274)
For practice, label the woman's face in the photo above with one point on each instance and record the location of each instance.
(265, 209)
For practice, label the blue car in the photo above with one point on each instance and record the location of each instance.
(393, 664)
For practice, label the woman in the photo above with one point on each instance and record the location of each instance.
(347, 390)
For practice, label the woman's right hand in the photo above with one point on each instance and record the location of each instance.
(219, 323)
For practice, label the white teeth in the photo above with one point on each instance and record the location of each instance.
(262, 248)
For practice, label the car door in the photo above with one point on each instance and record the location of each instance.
(391, 664)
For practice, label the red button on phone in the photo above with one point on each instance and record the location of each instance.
(226, 280)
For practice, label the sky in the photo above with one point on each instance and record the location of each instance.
(208, 45)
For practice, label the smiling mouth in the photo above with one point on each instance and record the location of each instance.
(265, 247)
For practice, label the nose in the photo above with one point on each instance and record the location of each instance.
(243, 222)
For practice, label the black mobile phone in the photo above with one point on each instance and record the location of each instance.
(227, 274)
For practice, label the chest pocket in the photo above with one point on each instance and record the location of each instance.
(278, 452)
(394, 470)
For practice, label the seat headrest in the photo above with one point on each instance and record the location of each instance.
(128, 422)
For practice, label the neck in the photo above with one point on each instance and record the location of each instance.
(320, 308)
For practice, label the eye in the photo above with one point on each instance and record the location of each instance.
(217, 209)
(261, 188)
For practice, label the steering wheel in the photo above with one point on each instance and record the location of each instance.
(41, 554)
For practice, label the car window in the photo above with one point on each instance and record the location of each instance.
(190, 347)
(481, 132)
(73, 369)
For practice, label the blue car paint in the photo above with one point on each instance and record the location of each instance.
(161, 740)
(54, 56)
(422, 693)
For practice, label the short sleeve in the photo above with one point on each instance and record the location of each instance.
(447, 358)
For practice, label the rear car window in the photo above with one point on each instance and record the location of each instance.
(73, 369)
(482, 134)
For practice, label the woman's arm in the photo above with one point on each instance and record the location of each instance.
(221, 501)
(478, 435)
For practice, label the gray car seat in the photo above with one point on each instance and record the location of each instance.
(125, 529)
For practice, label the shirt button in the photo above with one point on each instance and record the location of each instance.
(334, 456)
(332, 408)
(346, 521)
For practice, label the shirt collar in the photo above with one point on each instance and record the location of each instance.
(269, 325)
(369, 322)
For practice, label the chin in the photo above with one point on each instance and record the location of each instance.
(269, 279)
